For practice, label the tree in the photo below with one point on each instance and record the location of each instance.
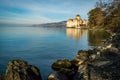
(96, 17)
(106, 14)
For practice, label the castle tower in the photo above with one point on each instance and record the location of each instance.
(78, 17)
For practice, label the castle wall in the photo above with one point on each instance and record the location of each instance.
(76, 22)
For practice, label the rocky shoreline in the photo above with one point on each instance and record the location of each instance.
(101, 63)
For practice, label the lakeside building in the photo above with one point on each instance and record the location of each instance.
(77, 22)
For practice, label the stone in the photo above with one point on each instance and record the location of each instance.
(62, 68)
(2, 77)
(20, 70)
(61, 64)
(93, 57)
(57, 76)
(113, 49)
(82, 55)
(78, 76)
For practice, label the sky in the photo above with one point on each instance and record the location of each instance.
(43, 11)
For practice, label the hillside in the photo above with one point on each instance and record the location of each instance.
(55, 24)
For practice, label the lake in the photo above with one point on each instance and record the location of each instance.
(41, 46)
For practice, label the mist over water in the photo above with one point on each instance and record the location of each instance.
(42, 46)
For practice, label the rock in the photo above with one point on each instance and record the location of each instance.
(101, 63)
(64, 67)
(59, 64)
(82, 55)
(93, 57)
(20, 70)
(83, 58)
(82, 68)
(57, 76)
(116, 40)
(108, 46)
(2, 77)
(78, 76)
(113, 49)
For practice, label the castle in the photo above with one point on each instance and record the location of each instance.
(77, 22)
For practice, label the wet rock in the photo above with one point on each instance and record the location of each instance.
(20, 70)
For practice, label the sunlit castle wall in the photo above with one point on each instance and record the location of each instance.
(74, 22)
(81, 22)
(85, 22)
(69, 23)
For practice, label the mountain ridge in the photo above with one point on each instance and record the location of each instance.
(54, 24)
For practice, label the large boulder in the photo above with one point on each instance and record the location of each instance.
(64, 70)
(61, 64)
(81, 58)
(20, 70)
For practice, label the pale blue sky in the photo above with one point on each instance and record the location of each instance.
(43, 11)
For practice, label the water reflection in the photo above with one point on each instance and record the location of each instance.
(95, 37)
(76, 34)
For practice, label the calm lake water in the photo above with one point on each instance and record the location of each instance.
(42, 46)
